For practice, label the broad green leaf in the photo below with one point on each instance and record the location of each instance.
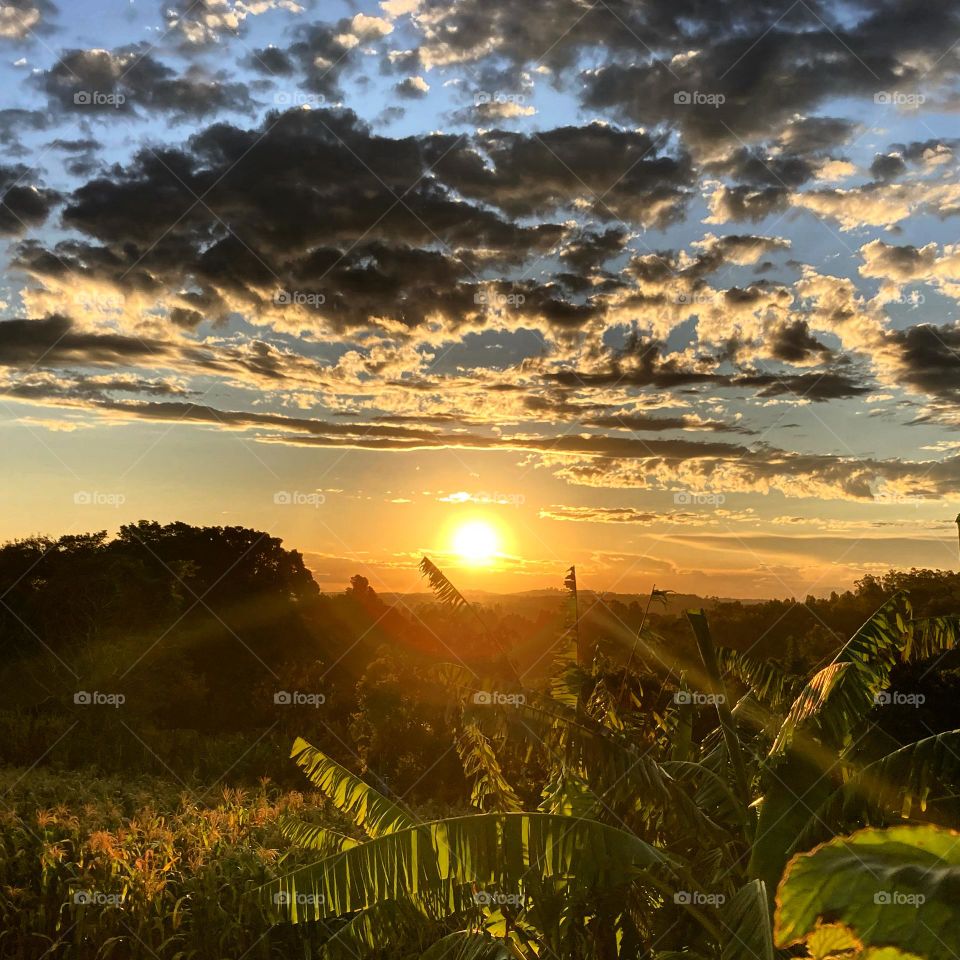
(894, 888)
(838, 698)
(349, 794)
(930, 636)
(766, 678)
(467, 945)
(311, 836)
(802, 768)
(888, 788)
(433, 861)
(379, 926)
(746, 924)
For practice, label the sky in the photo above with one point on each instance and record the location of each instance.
(665, 290)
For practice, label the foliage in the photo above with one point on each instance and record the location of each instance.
(889, 893)
(630, 850)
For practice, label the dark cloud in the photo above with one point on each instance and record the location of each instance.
(793, 343)
(554, 32)
(616, 174)
(23, 202)
(743, 70)
(13, 121)
(129, 80)
(887, 166)
(272, 61)
(55, 340)
(587, 250)
(928, 359)
(817, 387)
(641, 422)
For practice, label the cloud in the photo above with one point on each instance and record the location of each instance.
(25, 203)
(641, 422)
(616, 174)
(598, 514)
(200, 23)
(19, 19)
(54, 340)
(412, 88)
(131, 81)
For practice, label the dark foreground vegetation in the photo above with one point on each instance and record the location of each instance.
(619, 781)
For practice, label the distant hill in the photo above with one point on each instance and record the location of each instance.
(529, 602)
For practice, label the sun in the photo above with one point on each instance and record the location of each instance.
(476, 541)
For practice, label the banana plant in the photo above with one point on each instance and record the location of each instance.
(644, 840)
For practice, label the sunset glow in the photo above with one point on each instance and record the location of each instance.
(476, 542)
(394, 275)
